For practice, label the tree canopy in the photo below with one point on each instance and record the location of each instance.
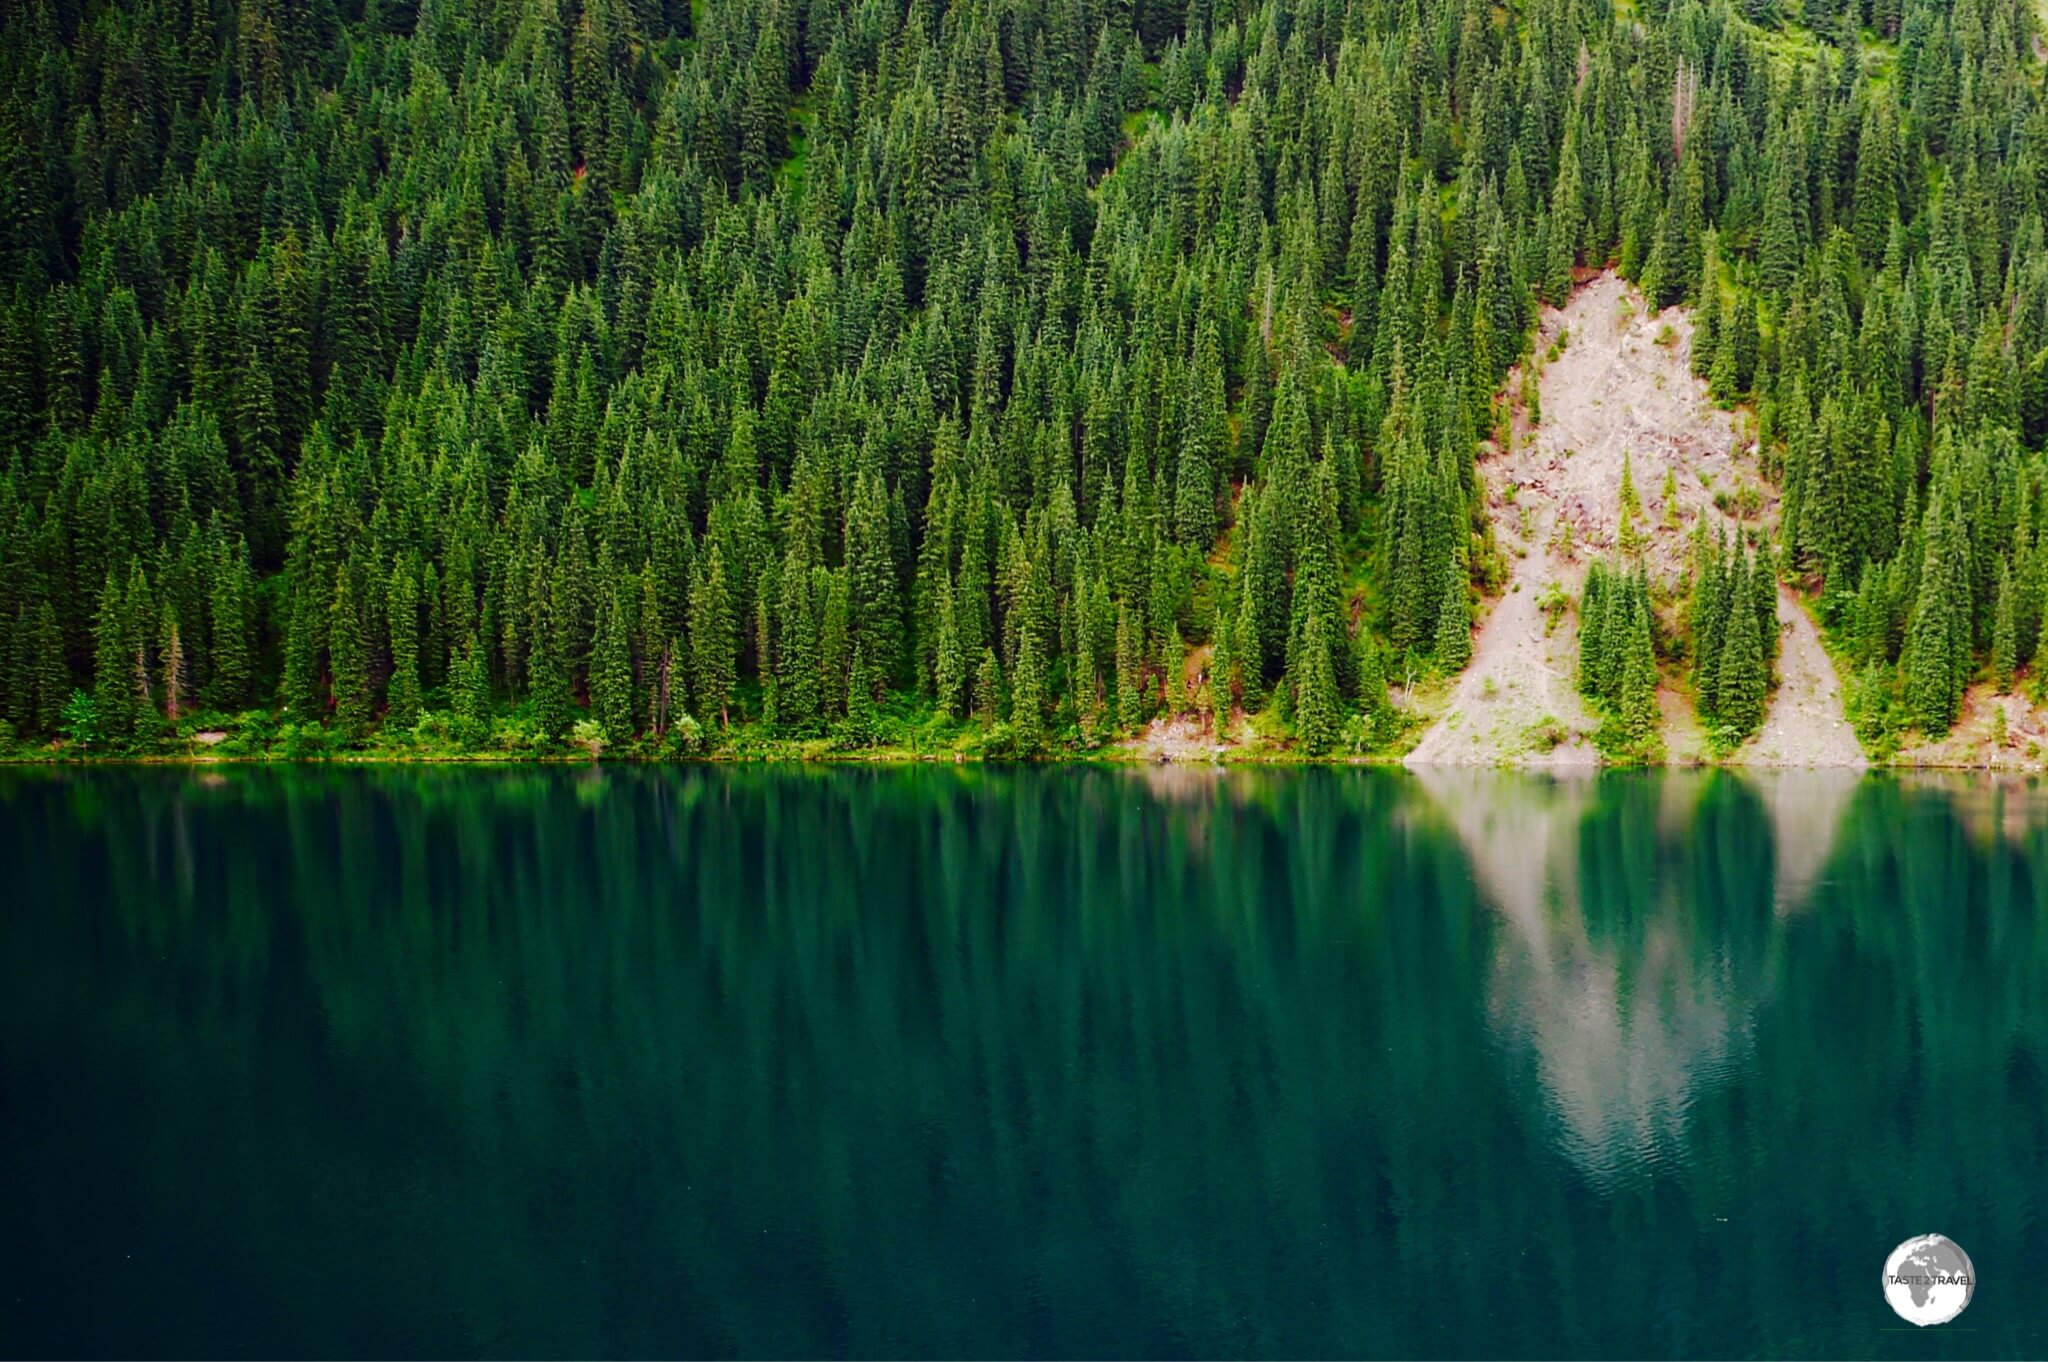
(681, 368)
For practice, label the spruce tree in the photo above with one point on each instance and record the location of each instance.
(797, 660)
(305, 643)
(1027, 696)
(1740, 680)
(1373, 701)
(472, 687)
(52, 673)
(252, 348)
(177, 669)
(1593, 643)
(2004, 632)
(1709, 621)
(611, 671)
(950, 665)
(113, 664)
(988, 686)
(877, 614)
(548, 669)
(1454, 624)
(714, 639)
(351, 663)
(401, 610)
(1318, 709)
(1130, 695)
(139, 612)
(229, 607)
(1640, 716)
(1173, 666)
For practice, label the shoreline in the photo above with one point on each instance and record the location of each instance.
(900, 757)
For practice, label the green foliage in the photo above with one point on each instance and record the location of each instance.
(2004, 632)
(714, 642)
(1618, 661)
(80, 720)
(472, 686)
(351, 662)
(827, 358)
(1734, 636)
(1318, 715)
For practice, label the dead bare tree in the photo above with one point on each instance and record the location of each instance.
(1685, 96)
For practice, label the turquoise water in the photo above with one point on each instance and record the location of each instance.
(934, 1061)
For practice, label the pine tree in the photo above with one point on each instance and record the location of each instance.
(877, 614)
(1373, 701)
(351, 664)
(714, 639)
(950, 668)
(52, 673)
(1027, 696)
(1173, 652)
(1130, 694)
(113, 665)
(305, 642)
(1594, 666)
(1631, 504)
(988, 686)
(1318, 709)
(1741, 681)
(473, 687)
(1640, 716)
(797, 660)
(611, 670)
(229, 606)
(401, 609)
(177, 669)
(548, 668)
(2004, 632)
(1454, 624)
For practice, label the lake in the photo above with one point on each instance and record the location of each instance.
(946, 1061)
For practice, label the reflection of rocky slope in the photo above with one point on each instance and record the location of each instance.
(1632, 1005)
(1806, 810)
(2002, 806)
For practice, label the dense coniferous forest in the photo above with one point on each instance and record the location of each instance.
(672, 376)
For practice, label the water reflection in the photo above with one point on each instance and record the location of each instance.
(1638, 935)
(966, 1061)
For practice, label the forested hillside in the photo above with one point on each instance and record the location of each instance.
(1000, 374)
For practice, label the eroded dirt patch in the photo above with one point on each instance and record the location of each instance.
(1976, 740)
(1517, 701)
(1805, 726)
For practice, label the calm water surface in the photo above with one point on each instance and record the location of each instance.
(943, 1062)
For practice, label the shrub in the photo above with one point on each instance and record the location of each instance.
(80, 719)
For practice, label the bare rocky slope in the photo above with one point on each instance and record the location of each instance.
(1615, 390)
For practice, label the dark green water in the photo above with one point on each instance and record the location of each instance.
(944, 1062)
